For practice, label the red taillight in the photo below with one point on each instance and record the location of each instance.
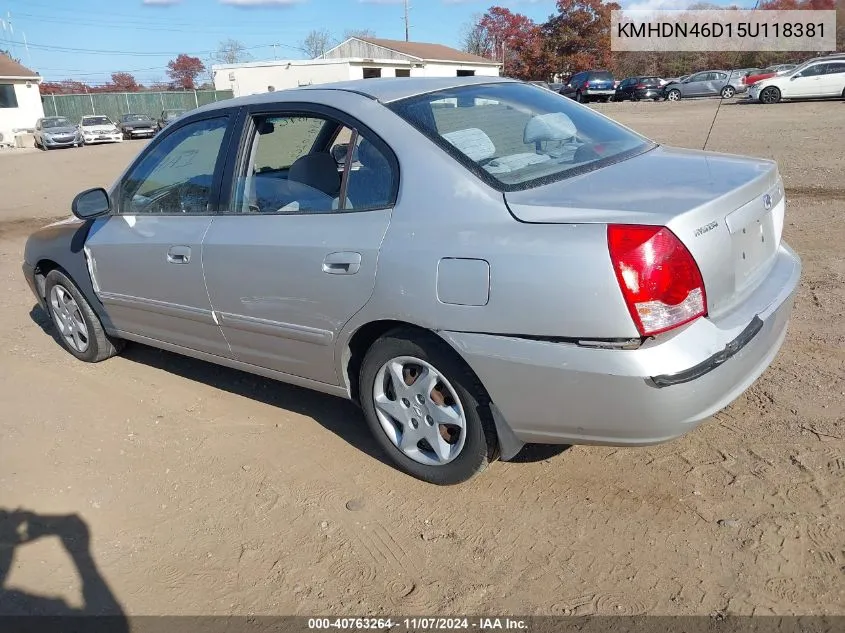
(659, 278)
(640, 86)
(586, 84)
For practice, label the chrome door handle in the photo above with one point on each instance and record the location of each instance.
(179, 254)
(342, 263)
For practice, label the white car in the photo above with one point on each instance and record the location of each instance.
(97, 128)
(814, 79)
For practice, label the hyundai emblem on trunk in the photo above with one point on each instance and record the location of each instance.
(767, 202)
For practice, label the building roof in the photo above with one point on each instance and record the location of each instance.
(11, 68)
(428, 52)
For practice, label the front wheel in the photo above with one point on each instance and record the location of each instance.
(673, 95)
(770, 95)
(426, 409)
(78, 327)
(728, 92)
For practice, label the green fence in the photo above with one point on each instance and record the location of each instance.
(114, 104)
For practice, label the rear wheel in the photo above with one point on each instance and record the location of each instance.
(728, 92)
(673, 95)
(426, 409)
(770, 95)
(78, 327)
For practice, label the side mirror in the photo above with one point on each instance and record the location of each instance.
(794, 77)
(91, 204)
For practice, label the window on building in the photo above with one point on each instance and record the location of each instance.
(372, 73)
(8, 98)
(466, 73)
(403, 72)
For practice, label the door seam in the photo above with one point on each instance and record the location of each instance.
(207, 291)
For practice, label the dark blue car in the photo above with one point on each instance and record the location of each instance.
(590, 85)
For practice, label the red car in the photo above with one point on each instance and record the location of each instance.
(769, 72)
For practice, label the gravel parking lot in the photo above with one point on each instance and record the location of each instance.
(206, 490)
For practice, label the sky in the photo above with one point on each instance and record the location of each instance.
(83, 40)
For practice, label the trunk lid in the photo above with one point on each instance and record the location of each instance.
(727, 210)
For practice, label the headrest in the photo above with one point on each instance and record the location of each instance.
(318, 171)
(555, 126)
(370, 156)
(472, 142)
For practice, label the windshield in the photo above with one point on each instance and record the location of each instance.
(127, 118)
(96, 120)
(172, 114)
(516, 136)
(57, 122)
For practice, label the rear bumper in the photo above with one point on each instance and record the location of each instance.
(563, 393)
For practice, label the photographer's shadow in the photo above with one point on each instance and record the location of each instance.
(17, 529)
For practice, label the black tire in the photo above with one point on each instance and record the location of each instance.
(480, 447)
(769, 95)
(673, 93)
(100, 345)
(727, 92)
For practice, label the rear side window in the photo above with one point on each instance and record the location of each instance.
(312, 164)
(516, 137)
(835, 68)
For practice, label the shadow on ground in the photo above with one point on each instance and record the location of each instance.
(19, 528)
(341, 417)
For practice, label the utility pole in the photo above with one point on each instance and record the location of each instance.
(407, 23)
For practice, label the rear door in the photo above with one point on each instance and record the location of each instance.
(834, 79)
(146, 258)
(715, 82)
(293, 256)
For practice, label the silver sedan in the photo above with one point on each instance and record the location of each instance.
(479, 263)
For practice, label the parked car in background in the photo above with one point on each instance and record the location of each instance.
(97, 128)
(541, 84)
(556, 87)
(136, 126)
(657, 290)
(167, 117)
(822, 77)
(636, 88)
(590, 85)
(708, 83)
(673, 80)
(57, 131)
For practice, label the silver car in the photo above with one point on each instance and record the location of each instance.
(479, 263)
(709, 83)
(56, 131)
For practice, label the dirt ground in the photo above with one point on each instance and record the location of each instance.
(209, 491)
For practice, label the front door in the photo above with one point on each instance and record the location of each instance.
(295, 256)
(696, 85)
(807, 83)
(146, 258)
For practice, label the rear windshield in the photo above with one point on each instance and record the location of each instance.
(601, 75)
(650, 81)
(516, 136)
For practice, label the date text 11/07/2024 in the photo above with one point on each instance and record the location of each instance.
(418, 624)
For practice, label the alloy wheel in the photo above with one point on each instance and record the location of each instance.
(419, 411)
(727, 92)
(68, 319)
(674, 95)
(770, 95)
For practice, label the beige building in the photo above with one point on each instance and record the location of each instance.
(20, 100)
(356, 58)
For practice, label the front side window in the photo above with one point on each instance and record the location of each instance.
(8, 98)
(177, 175)
(514, 136)
(812, 71)
(312, 164)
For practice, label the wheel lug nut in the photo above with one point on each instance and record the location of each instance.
(429, 420)
(406, 402)
(420, 398)
(414, 423)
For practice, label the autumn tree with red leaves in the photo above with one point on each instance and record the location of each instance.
(123, 82)
(578, 37)
(184, 70)
(512, 39)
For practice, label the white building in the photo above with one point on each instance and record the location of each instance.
(356, 58)
(20, 99)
